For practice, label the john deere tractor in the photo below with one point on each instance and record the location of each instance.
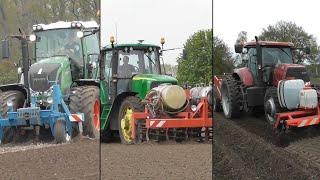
(65, 55)
(128, 73)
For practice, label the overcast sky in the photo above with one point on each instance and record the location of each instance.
(150, 20)
(230, 17)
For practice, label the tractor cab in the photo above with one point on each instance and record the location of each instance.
(269, 62)
(133, 68)
(65, 51)
(128, 71)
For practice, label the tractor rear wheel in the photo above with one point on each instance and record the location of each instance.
(128, 106)
(216, 103)
(230, 97)
(60, 131)
(86, 99)
(17, 98)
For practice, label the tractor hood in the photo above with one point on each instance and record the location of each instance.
(55, 69)
(290, 71)
(142, 83)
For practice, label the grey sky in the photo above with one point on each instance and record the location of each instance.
(231, 17)
(150, 20)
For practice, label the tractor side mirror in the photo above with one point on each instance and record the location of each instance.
(307, 50)
(5, 49)
(238, 48)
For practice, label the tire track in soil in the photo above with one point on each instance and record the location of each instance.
(308, 149)
(78, 159)
(244, 151)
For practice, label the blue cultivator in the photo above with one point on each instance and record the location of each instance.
(57, 116)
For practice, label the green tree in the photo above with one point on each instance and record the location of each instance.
(195, 66)
(290, 32)
(222, 57)
(170, 69)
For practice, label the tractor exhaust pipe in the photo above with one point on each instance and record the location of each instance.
(25, 61)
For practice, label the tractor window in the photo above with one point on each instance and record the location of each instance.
(107, 72)
(252, 64)
(137, 62)
(92, 44)
(59, 42)
(276, 55)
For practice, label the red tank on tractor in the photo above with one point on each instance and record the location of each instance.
(270, 80)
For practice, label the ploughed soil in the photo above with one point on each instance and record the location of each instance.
(247, 148)
(168, 160)
(78, 159)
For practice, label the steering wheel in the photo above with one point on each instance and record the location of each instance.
(267, 65)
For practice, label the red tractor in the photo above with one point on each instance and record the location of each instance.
(270, 80)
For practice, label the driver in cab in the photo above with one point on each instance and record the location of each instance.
(73, 46)
(126, 69)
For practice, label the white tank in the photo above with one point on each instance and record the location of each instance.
(289, 93)
(173, 96)
(308, 99)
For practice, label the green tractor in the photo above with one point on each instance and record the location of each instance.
(66, 53)
(128, 73)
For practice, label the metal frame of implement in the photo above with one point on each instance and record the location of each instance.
(192, 119)
(33, 115)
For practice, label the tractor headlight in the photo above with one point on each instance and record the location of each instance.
(193, 107)
(38, 27)
(50, 100)
(32, 37)
(9, 103)
(78, 24)
(19, 70)
(73, 24)
(79, 34)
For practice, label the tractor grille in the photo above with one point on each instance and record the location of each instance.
(298, 73)
(41, 74)
(156, 83)
(39, 82)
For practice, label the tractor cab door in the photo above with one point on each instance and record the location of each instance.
(91, 54)
(108, 76)
(252, 62)
(128, 66)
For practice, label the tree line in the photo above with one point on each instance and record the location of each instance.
(284, 31)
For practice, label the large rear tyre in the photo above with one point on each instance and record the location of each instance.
(17, 98)
(230, 97)
(60, 131)
(86, 99)
(216, 104)
(128, 106)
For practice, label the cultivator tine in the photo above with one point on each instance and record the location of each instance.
(37, 131)
(147, 135)
(80, 128)
(167, 134)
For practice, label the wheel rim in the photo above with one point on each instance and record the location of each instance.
(225, 102)
(270, 110)
(126, 128)
(96, 115)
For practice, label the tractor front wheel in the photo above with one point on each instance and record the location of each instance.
(86, 99)
(128, 106)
